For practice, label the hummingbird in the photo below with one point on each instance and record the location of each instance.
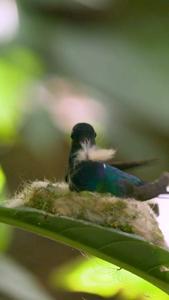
(89, 170)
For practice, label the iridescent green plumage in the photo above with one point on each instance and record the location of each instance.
(103, 178)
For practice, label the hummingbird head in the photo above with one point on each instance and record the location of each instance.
(83, 133)
(84, 146)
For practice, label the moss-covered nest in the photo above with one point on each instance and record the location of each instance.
(127, 215)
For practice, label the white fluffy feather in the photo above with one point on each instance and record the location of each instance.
(89, 152)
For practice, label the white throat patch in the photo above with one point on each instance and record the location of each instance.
(93, 153)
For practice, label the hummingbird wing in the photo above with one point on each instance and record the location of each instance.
(101, 177)
(126, 165)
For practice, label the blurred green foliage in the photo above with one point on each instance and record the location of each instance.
(96, 276)
(18, 68)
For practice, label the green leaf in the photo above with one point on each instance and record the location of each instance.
(72, 3)
(5, 230)
(2, 180)
(102, 278)
(125, 250)
(5, 237)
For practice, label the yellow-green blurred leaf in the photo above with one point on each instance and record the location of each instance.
(2, 181)
(17, 68)
(102, 278)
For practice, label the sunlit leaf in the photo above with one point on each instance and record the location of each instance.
(102, 278)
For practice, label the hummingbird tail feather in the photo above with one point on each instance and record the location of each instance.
(150, 190)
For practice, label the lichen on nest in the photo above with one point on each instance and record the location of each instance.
(127, 215)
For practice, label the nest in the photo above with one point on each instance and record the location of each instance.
(127, 215)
